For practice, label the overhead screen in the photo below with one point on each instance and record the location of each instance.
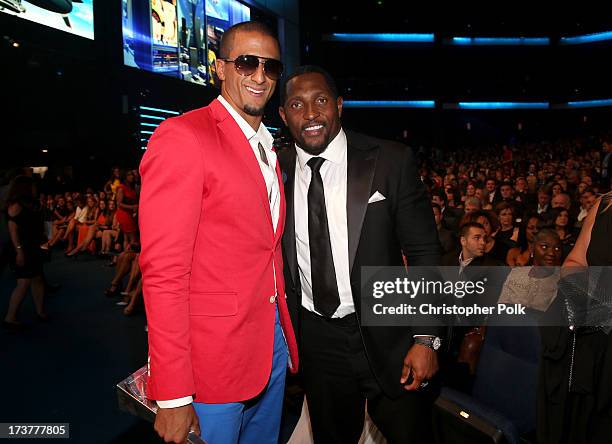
(72, 16)
(178, 38)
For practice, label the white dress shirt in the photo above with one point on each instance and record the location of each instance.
(263, 136)
(334, 175)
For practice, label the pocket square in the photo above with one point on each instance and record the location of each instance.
(376, 197)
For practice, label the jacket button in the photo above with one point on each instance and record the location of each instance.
(272, 299)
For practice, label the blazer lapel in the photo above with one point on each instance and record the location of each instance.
(289, 235)
(243, 149)
(280, 226)
(360, 174)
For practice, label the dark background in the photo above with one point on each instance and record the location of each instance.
(75, 98)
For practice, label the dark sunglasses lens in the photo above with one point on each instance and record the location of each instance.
(246, 64)
(273, 69)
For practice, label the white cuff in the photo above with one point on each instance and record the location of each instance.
(173, 403)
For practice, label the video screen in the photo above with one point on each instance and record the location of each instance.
(166, 37)
(72, 16)
(220, 15)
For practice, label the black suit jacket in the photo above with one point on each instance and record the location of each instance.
(378, 233)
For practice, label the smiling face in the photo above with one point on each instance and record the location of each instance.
(248, 95)
(311, 112)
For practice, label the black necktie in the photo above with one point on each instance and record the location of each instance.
(324, 286)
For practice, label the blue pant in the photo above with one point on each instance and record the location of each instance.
(257, 421)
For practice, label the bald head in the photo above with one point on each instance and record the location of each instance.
(229, 36)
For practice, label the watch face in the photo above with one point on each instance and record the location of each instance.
(436, 343)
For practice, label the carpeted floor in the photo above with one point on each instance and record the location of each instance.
(65, 370)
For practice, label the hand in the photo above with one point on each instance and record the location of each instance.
(422, 362)
(173, 425)
(20, 259)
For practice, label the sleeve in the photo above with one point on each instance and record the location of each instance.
(416, 228)
(174, 403)
(170, 206)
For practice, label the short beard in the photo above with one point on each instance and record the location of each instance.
(313, 150)
(251, 111)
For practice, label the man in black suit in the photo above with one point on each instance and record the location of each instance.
(473, 239)
(353, 201)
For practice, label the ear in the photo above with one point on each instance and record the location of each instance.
(463, 241)
(339, 103)
(220, 65)
(281, 112)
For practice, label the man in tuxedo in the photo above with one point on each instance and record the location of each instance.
(353, 201)
(219, 327)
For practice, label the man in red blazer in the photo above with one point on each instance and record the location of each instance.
(212, 213)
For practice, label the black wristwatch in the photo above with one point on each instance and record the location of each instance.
(432, 342)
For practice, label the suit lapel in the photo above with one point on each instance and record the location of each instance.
(361, 167)
(289, 236)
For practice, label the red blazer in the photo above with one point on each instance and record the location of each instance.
(208, 246)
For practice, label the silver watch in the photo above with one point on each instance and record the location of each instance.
(432, 342)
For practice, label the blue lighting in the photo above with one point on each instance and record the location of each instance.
(146, 116)
(146, 132)
(159, 110)
(590, 103)
(500, 41)
(272, 129)
(504, 105)
(144, 140)
(389, 104)
(154, 125)
(404, 38)
(586, 38)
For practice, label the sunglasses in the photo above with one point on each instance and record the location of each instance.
(246, 65)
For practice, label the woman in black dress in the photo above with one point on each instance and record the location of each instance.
(25, 256)
(575, 390)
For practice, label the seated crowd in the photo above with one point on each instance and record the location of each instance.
(101, 223)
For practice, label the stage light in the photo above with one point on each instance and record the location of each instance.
(44, 150)
(147, 116)
(159, 110)
(503, 105)
(389, 104)
(500, 41)
(146, 132)
(589, 103)
(154, 125)
(586, 38)
(15, 44)
(386, 37)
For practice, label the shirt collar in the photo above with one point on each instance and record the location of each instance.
(335, 151)
(262, 134)
(466, 262)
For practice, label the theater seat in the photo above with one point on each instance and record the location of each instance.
(502, 405)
